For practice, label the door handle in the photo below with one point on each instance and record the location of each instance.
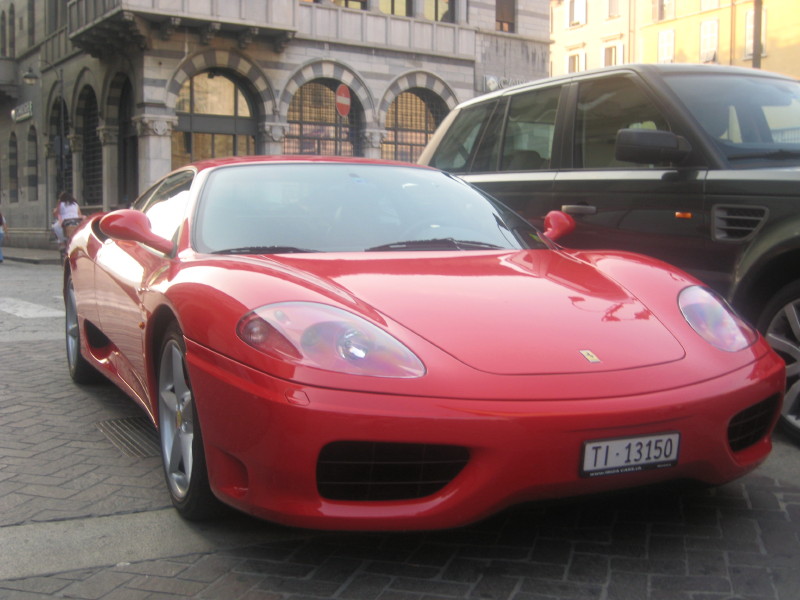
(579, 209)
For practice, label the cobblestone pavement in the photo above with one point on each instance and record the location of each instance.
(59, 470)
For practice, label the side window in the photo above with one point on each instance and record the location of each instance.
(455, 149)
(167, 205)
(531, 121)
(604, 107)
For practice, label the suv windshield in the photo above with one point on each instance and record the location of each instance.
(752, 119)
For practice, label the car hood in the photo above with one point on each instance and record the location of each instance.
(511, 313)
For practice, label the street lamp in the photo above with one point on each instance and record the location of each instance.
(31, 78)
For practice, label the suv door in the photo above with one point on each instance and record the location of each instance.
(649, 208)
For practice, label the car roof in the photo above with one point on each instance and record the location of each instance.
(211, 163)
(647, 70)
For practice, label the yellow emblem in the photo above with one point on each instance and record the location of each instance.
(590, 356)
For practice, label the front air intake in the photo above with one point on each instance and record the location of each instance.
(374, 471)
(752, 424)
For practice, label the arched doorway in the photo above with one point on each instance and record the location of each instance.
(315, 127)
(92, 172)
(128, 183)
(58, 134)
(215, 118)
(410, 122)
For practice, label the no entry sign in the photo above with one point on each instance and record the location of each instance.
(343, 100)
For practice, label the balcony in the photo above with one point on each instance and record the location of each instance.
(373, 29)
(106, 27)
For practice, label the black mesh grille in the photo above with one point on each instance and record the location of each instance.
(372, 471)
(752, 424)
(737, 222)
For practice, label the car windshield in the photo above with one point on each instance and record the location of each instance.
(754, 120)
(350, 207)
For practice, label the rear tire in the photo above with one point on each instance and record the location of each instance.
(182, 450)
(780, 324)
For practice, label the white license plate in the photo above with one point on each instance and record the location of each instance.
(626, 455)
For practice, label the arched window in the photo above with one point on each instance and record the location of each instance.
(215, 119)
(128, 187)
(58, 134)
(13, 169)
(92, 149)
(3, 35)
(315, 127)
(32, 165)
(12, 36)
(31, 23)
(410, 122)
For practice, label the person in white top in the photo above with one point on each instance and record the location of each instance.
(68, 216)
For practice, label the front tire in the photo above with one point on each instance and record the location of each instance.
(80, 370)
(179, 431)
(780, 324)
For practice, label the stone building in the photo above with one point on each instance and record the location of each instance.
(102, 97)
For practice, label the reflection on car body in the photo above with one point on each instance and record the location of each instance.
(698, 165)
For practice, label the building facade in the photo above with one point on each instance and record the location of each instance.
(103, 98)
(588, 34)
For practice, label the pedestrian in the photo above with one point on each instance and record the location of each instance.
(3, 231)
(68, 216)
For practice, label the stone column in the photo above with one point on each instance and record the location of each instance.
(51, 177)
(270, 140)
(372, 142)
(109, 138)
(155, 147)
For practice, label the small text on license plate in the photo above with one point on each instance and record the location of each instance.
(626, 455)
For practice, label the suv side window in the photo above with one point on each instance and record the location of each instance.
(455, 150)
(604, 107)
(531, 121)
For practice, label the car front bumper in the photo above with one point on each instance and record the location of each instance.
(263, 438)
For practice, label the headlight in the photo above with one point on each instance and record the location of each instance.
(325, 337)
(710, 316)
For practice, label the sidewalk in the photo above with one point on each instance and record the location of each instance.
(39, 256)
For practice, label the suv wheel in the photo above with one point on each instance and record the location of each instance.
(780, 324)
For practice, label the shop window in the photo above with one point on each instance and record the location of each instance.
(315, 126)
(410, 122)
(215, 119)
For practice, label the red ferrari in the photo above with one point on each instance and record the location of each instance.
(352, 344)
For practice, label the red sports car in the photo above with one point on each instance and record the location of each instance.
(353, 344)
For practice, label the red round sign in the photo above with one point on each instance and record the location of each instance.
(343, 100)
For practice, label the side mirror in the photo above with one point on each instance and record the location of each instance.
(650, 146)
(133, 226)
(557, 224)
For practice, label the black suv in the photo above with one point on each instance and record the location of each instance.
(698, 165)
